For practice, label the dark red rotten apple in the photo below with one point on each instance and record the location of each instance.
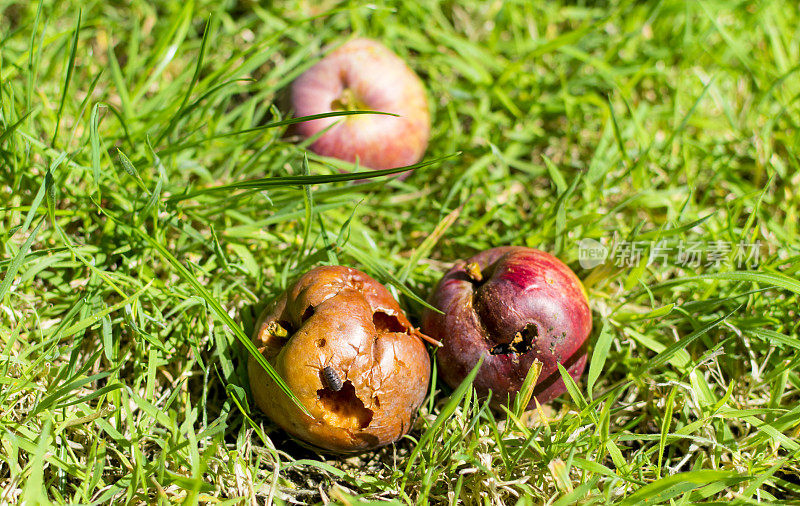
(340, 341)
(364, 75)
(512, 305)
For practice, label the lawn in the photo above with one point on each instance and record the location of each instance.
(664, 135)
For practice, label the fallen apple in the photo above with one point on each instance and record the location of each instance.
(364, 75)
(346, 350)
(511, 305)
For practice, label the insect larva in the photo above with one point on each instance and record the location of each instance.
(331, 378)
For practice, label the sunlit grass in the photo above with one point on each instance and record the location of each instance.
(153, 199)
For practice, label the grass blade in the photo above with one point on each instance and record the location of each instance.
(664, 356)
(447, 411)
(274, 124)
(17, 261)
(68, 79)
(601, 348)
(273, 182)
(678, 484)
(188, 277)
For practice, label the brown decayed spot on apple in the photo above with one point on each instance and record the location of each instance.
(338, 327)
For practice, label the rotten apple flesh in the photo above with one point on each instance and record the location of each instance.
(363, 74)
(512, 306)
(344, 347)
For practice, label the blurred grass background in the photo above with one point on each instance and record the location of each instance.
(645, 121)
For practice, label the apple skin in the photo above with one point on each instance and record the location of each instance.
(517, 292)
(365, 75)
(338, 319)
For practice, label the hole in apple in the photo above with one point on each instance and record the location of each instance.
(522, 342)
(343, 408)
(385, 322)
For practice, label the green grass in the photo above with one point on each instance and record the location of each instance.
(121, 376)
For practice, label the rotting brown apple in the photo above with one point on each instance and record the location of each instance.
(346, 350)
(512, 305)
(363, 74)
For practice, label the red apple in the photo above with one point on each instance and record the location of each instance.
(364, 75)
(511, 305)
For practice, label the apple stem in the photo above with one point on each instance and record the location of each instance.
(429, 339)
(348, 101)
(474, 271)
